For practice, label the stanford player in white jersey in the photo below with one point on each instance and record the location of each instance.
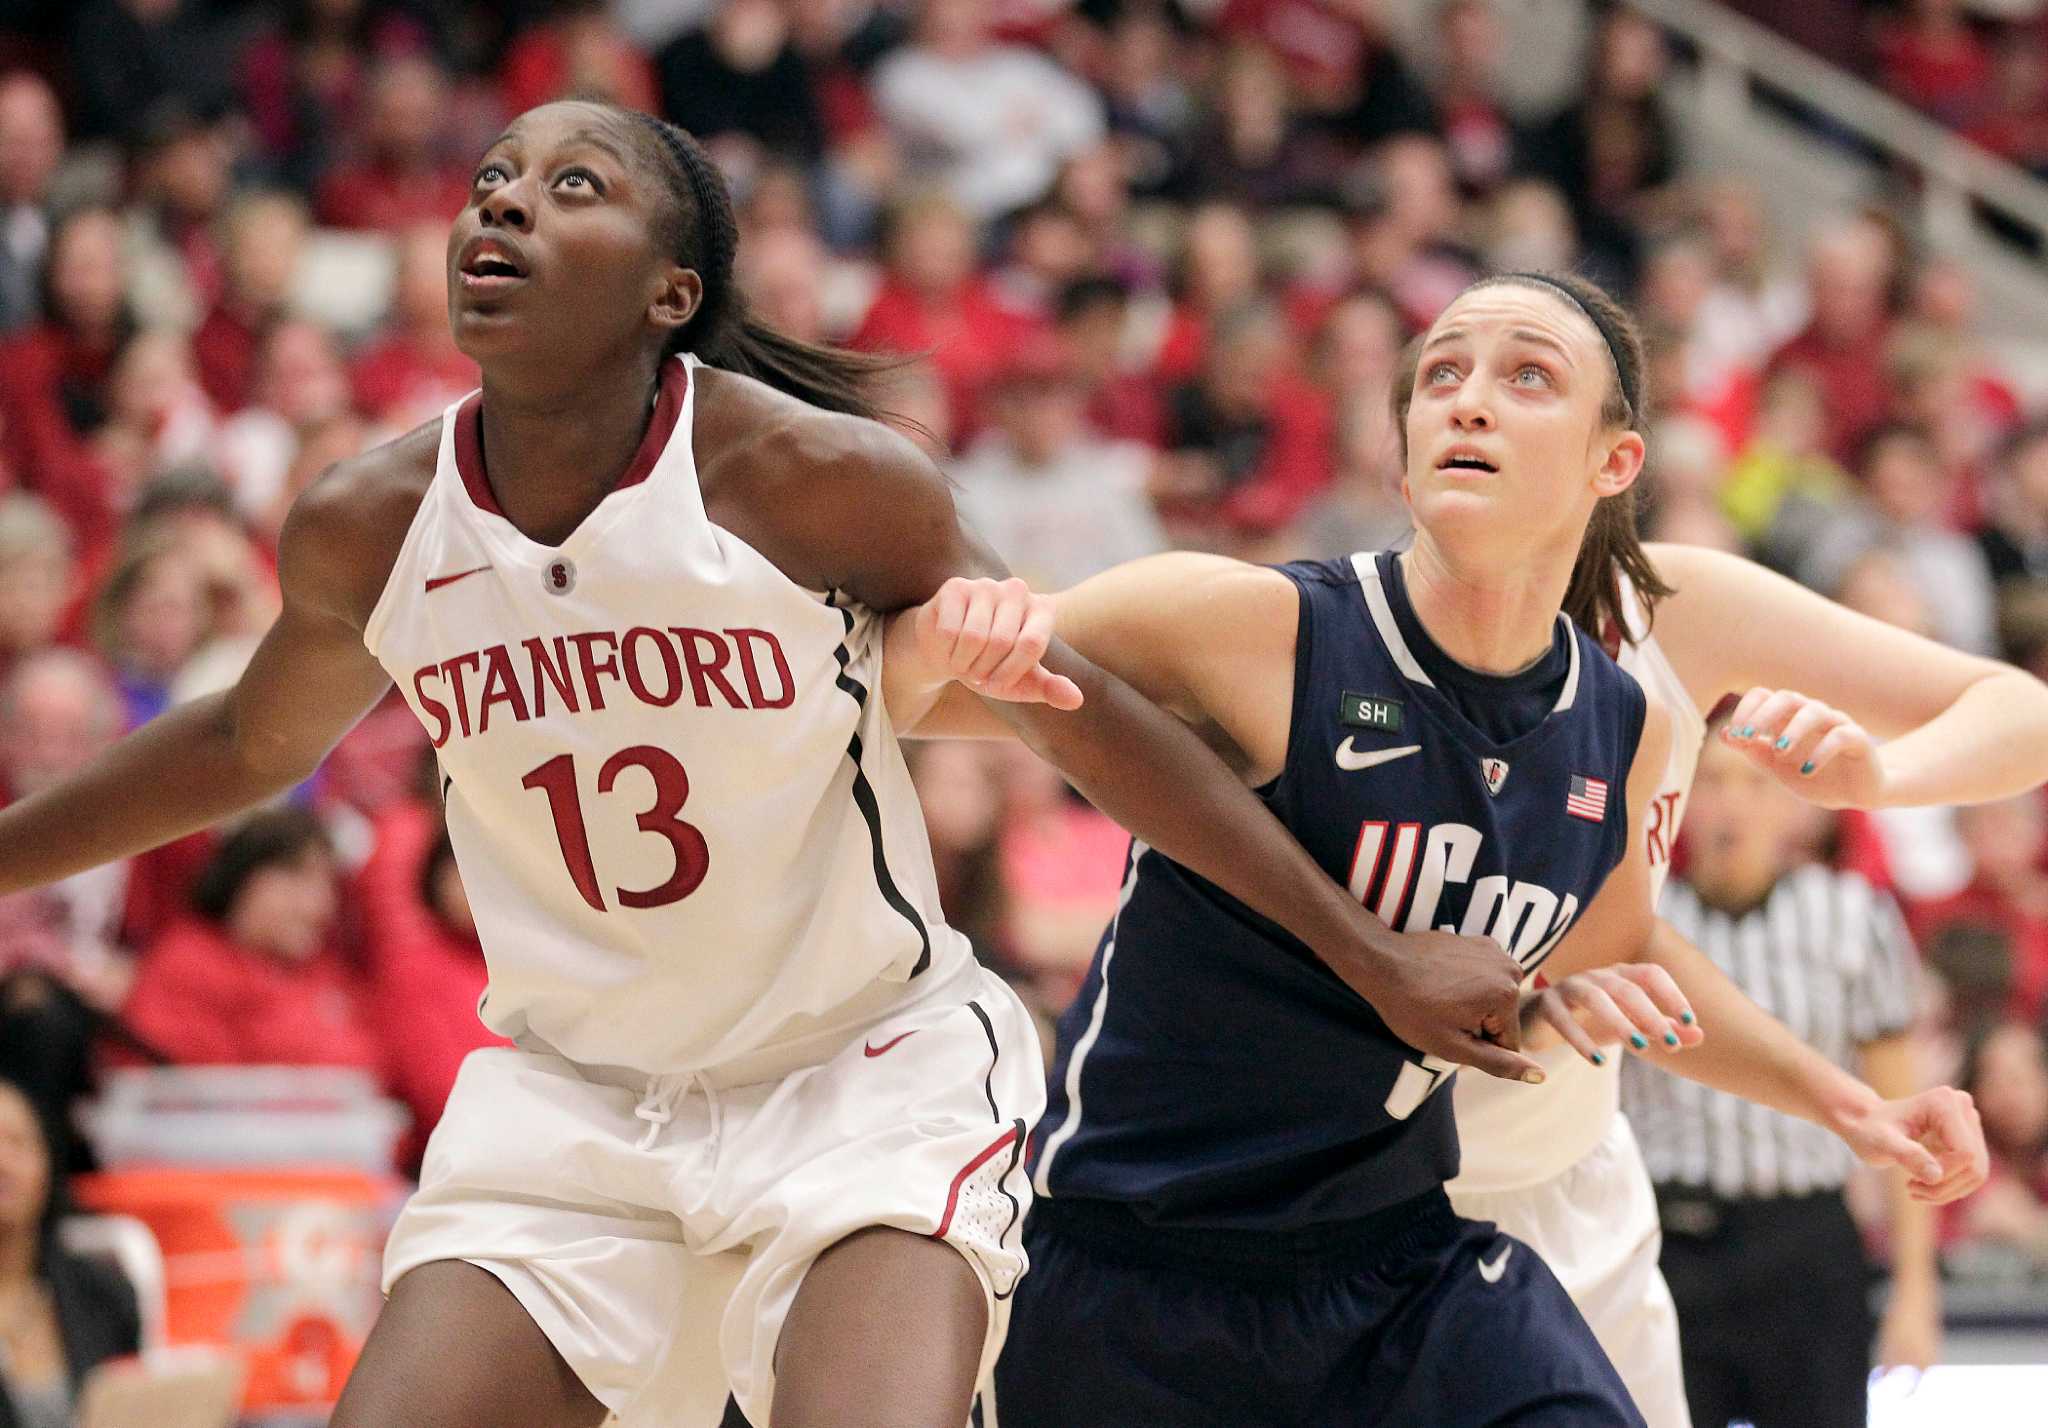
(761, 1126)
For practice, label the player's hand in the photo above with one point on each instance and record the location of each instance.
(1818, 752)
(1633, 1002)
(1452, 997)
(1935, 1137)
(992, 635)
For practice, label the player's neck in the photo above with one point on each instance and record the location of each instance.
(1498, 622)
(552, 453)
(17, 1258)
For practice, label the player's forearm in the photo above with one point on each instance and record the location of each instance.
(1893, 1070)
(1913, 1248)
(1991, 743)
(175, 775)
(1150, 772)
(1747, 1051)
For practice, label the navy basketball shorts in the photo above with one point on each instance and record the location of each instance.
(1412, 1318)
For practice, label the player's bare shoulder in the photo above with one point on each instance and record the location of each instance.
(819, 493)
(344, 533)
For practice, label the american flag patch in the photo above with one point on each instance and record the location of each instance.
(1587, 798)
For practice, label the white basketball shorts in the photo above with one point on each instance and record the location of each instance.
(657, 1230)
(1596, 1227)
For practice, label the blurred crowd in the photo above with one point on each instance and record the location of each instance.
(1153, 265)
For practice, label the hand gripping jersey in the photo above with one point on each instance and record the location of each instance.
(1213, 1071)
(1516, 1135)
(684, 824)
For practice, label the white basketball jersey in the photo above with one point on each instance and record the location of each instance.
(682, 818)
(1511, 1135)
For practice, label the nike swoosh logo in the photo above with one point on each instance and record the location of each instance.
(1491, 1273)
(1351, 760)
(439, 580)
(873, 1050)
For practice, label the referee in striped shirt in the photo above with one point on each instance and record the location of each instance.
(1763, 1260)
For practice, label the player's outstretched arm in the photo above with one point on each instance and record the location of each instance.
(1206, 638)
(877, 520)
(310, 679)
(1934, 1136)
(1956, 728)
(1676, 999)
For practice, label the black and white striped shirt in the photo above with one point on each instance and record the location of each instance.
(1828, 955)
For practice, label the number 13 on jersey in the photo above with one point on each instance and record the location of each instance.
(557, 779)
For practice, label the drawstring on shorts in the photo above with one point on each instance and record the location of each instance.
(658, 1105)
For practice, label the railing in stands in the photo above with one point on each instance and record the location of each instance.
(1954, 179)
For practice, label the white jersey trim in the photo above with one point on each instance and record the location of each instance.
(1383, 618)
(1389, 629)
(380, 613)
(1086, 1044)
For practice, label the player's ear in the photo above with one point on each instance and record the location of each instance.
(1623, 464)
(676, 300)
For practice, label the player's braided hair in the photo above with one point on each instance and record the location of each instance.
(722, 332)
(1612, 546)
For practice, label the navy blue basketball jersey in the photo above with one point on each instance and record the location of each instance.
(1212, 1071)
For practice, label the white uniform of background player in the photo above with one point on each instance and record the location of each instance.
(1557, 1166)
(705, 896)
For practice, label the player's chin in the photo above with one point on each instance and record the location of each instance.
(483, 331)
(1464, 508)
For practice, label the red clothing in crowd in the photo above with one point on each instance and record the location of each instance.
(401, 379)
(224, 351)
(375, 196)
(40, 449)
(1128, 407)
(425, 977)
(1949, 77)
(1182, 346)
(1296, 464)
(203, 1000)
(1324, 44)
(542, 65)
(1293, 461)
(1981, 906)
(969, 338)
(1854, 396)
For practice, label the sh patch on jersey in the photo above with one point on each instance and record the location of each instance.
(1496, 771)
(1369, 711)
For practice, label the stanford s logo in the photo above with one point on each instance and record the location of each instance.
(558, 577)
(1496, 771)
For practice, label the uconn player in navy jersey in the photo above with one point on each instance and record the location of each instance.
(633, 589)
(1144, 620)
(1241, 1215)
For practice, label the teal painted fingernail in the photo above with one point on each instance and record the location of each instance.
(1671, 1038)
(1746, 731)
(1598, 1059)
(1636, 1040)
(1807, 767)
(1785, 741)
(1686, 1017)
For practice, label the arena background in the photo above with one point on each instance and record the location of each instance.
(1155, 263)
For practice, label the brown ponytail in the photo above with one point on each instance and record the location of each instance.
(1612, 546)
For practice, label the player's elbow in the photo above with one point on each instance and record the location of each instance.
(261, 761)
